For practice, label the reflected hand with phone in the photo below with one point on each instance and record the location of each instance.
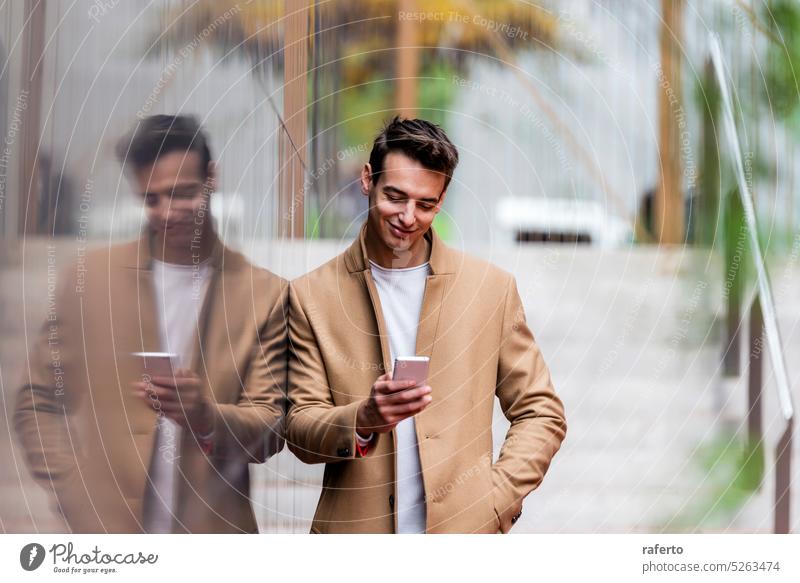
(181, 398)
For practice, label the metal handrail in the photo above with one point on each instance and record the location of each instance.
(763, 321)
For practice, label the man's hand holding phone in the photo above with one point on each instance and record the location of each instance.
(395, 397)
(178, 395)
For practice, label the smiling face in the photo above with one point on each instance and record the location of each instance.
(176, 196)
(403, 201)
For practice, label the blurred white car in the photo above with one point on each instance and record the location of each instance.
(561, 220)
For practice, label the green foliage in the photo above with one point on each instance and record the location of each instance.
(367, 106)
(707, 98)
(436, 91)
(443, 225)
(364, 109)
(783, 59)
(733, 470)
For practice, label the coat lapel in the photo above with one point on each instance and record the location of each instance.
(383, 335)
(136, 317)
(212, 322)
(133, 321)
(429, 316)
(427, 334)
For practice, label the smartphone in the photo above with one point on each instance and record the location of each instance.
(157, 364)
(411, 368)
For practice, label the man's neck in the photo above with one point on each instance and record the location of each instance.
(197, 252)
(389, 258)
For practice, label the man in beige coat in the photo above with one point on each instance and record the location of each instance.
(124, 452)
(400, 457)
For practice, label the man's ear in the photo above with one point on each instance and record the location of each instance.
(210, 184)
(366, 179)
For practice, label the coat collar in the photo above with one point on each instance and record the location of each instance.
(442, 259)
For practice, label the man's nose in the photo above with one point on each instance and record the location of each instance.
(407, 216)
(167, 210)
(164, 207)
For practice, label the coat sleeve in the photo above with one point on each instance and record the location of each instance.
(51, 390)
(529, 402)
(318, 431)
(252, 429)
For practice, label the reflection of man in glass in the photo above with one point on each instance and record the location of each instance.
(410, 457)
(125, 451)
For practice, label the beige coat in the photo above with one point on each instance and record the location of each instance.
(472, 326)
(90, 441)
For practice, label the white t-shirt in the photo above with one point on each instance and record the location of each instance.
(401, 292)
(179, 292)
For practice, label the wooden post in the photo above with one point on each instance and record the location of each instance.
(407, 59)
(783, 482)
(708, 195)
(753, 468)
(292, 143)
(33, 39)
(669, 220)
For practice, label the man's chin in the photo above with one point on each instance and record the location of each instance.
(397, 242)
(398, 245)
(178, 240)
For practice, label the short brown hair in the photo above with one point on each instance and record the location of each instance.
(418, 139)
(158, 135)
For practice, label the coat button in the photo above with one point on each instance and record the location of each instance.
(391, 501)
(343, 452)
